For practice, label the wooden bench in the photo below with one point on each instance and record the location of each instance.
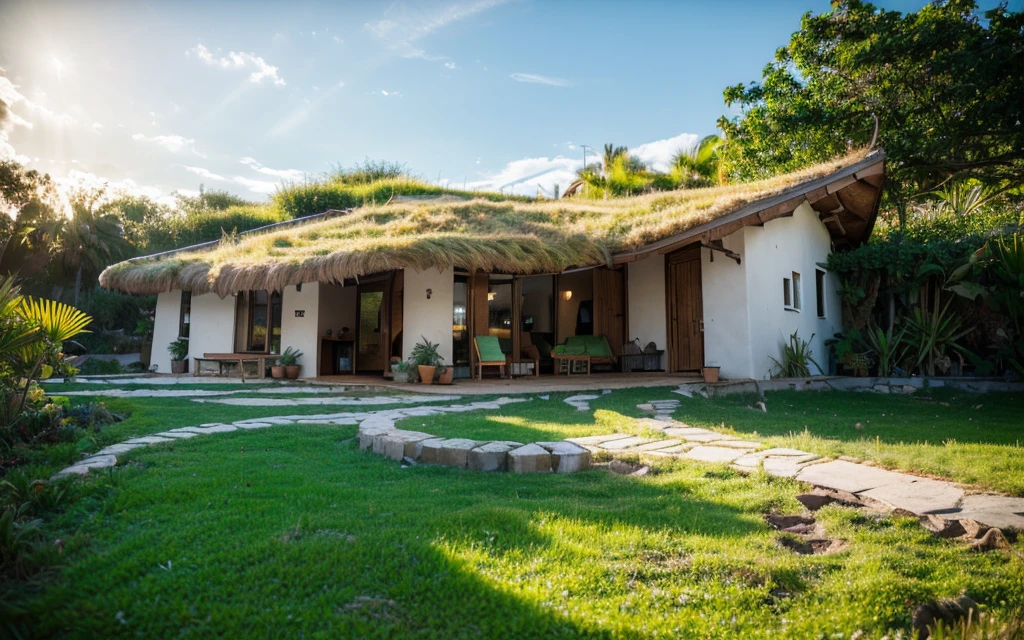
(238, 359)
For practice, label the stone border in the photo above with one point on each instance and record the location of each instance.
(866, 384)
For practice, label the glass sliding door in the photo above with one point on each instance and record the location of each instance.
(460, 329)
(370, 348)
(264, 322)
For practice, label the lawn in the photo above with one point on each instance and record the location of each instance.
(294, 532)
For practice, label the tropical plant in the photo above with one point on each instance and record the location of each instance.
(611, 154)
(962, 198)
(699, 165)
(795, 358)
(889, 348)
(289, 358)
(932, 334)
(425, 353)
(178, 349)
(19, 538)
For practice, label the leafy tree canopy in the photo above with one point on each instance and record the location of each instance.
(946, 84)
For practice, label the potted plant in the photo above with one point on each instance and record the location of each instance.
(445, 374)
(400, 372)
(426, 357)
(277, 369)
(710, 373)
(290, 361)
(179, 355)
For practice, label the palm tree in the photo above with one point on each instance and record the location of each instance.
(699, 165)
(611, 152)
(85, 240)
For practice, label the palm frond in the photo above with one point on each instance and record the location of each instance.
(58, 321)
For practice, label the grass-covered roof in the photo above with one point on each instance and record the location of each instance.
(490, 234)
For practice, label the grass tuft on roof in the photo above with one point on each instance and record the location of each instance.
(489, 234)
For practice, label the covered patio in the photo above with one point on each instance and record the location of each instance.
(526, 384)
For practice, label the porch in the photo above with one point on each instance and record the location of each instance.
(594, 383)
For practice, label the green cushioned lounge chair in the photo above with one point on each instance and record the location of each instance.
(488, 354)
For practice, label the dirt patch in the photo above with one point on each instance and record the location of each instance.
(811, 546)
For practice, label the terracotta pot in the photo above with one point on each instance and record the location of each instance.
(446, 377)
(426, 374)
(179, 366)
(277, 371)
(292, 371)
(710, 374)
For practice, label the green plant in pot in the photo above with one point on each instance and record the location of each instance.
(426, 358)
(179, 355)
(290, 361)
(445, 374)
(400, 372)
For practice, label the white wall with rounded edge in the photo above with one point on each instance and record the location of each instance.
(726, 323)
(797, 243)
(431, 318)
(645, 286)
(302, 334)
(165, 328)
(212, 329)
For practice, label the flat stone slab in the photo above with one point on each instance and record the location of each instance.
(1003, 512)
(786, 466)
(589, 440)
(180, 435)
(657, 445)
(567, 457)
(918, 495)
(252, 425)
(151, 440)
(492, 456)
(115, 449)
(398, 443)
(736, 444)
(530, 458)
(706, 453)
(849, 476)
(624, 443)
(426, 450)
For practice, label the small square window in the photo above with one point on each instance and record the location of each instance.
(819, 291)
(797, 293)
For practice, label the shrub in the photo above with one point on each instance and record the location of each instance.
(795, 358)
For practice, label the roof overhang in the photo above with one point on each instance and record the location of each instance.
(846, 202)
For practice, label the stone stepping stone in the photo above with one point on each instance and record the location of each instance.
(787, 466)
(149, 440)
(706, 453)
(567, 457)
(114, 449)
(253, 425)
(918, 495)
(674, 451)
(214, 428)
(529, 458)
(180, 435)
(83, 467)
(736, 444)
(708, 436)
(581, 401)
(848, 476)
(589, 440)
(1002, 512)
(492, 456)
(657, 445)
(624, 443)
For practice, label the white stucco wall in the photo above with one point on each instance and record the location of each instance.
(773, 252)
(302, 334)
(428, 318)
(213, 325)
(165, 328)
(726, 321)
(648, 318)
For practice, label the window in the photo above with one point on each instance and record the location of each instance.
(792, 297)
(819, 291)
(264, 322)
(185, 314)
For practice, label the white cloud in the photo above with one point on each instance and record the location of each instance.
(451, 66)
(284, 174)
(10, 99)
(533, 78)
(658, 154)
(239, 60)
(523, 177)
(172, 142)
(84, 180)
(202, 172)
(402, 26)
(338, 40)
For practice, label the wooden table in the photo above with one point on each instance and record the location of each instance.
(235, 358)
(569, 360)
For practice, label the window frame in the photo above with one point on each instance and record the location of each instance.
(185, 315)
(819, 293)
(274, 301)
(792, 292)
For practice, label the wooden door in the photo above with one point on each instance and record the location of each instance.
(686, 310)
(610, 307)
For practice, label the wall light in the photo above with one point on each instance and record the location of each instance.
(567, 295)
(490, 296)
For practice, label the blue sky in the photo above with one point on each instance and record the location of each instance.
(157, 97)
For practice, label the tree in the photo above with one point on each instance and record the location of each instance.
(144, 223)
(611, 153)
(86, 241)
(946, 87)
(700, 165)
(26, 202)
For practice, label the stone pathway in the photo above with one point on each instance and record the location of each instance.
(196, 393)
(924, 497)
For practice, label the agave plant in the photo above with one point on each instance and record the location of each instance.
(888, 347)
(932, 334)
(795, 358)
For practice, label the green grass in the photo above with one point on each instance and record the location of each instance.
(293, 532)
